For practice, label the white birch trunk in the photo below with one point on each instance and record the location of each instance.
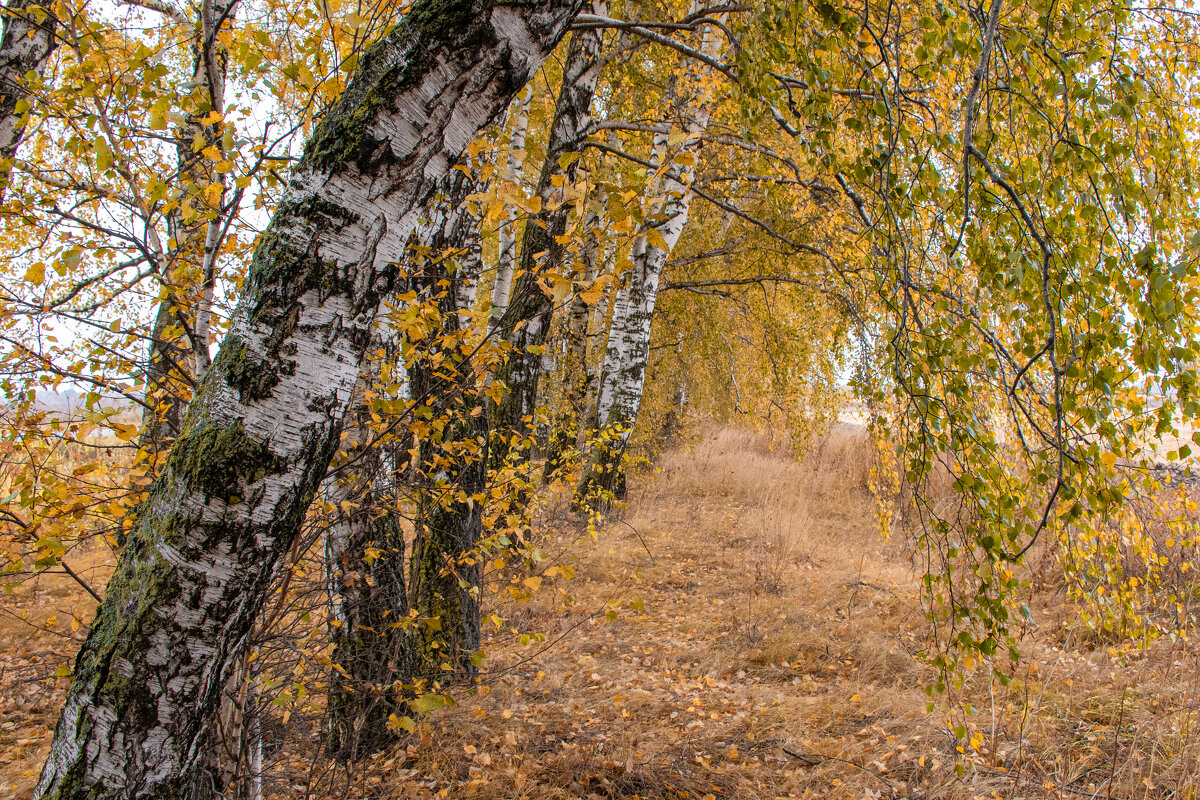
(623, 380)
(575, 372)
(175, 364)
(506, 262)
(264, 424)
(27, 38)
(210, 72)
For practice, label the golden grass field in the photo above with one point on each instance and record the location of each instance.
(763, 647)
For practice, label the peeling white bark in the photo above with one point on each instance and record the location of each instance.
(265, 421)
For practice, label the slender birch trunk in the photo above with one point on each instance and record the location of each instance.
(576, 370)
(179, 339)
(264, 423)
(506, 262)
(27, 39)
(469, 269)
(527, 321)
(368, 592)
(628, 349)
(204, 235)
(597, 347)
(451, 476)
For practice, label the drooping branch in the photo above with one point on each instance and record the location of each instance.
(595, 21)
(168, 10)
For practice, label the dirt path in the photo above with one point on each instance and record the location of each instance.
(758, 633)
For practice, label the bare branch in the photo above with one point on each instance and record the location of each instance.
(168, 10)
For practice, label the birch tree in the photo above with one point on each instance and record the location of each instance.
(181, 334)
(27, 38)
(451, 471)
(264, 424)
(506, 259)
(384, 656)
(526, 323)
(576, 369)
(368, 591)
(623, 380)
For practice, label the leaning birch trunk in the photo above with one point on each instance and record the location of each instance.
(27, 38)
(264, 423)
(506, 260)
(628, 349)
(527, 320)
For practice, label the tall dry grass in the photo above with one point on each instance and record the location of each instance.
(761, 644)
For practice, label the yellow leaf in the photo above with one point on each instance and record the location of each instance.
(124, 432)
(591, 295)
(655, 238)
(36, 274)
(406, 723)
(104, 154)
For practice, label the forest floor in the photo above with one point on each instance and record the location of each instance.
(741, 630)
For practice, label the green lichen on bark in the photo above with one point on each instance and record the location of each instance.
(393, 66)
(252, 378)
(141, 584)
(285, 266)
(219, 459)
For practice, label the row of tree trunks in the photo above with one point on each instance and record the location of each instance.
(624, 377)
(526, 322)
(27, 38)
(265, 422)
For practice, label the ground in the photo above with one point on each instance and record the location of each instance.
(741, 630)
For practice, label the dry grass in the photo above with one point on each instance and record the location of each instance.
(763, 647)
(41, 625)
